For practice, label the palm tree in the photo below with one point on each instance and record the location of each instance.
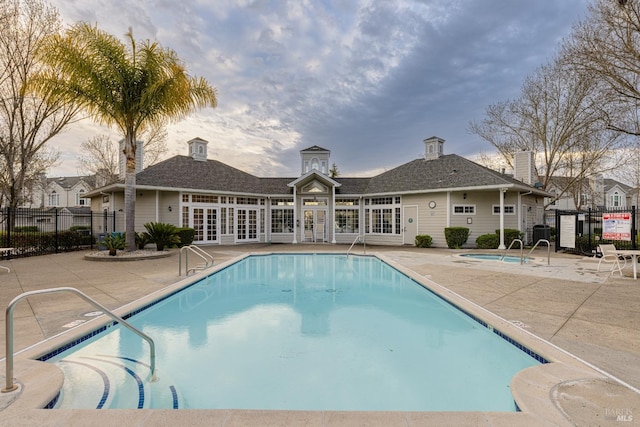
(128, 86)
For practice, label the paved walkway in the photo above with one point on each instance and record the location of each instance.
(595, 316)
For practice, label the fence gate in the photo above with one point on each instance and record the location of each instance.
(582, 231)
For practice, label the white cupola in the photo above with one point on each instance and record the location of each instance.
(315, 158)
(433, 148)
(198, 149)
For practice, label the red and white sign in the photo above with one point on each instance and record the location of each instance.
(616, 226)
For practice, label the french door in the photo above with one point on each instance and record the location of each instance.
(247, 225)
(205, 225)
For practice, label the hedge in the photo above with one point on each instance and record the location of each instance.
(456, 236)
(423, 241)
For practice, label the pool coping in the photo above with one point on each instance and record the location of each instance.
(533, 388)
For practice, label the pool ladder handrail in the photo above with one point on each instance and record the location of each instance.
(208, 259)
(9, 385)
(357, 239)
(521, 250)
(548, 249)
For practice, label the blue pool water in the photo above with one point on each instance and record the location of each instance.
(496, 257)
(298, 332)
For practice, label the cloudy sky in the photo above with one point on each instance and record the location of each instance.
(366, 79)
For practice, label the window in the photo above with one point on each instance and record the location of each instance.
(281, 220)
(584, 199)
(201, 198)
(247, 201)
(81, 201)
(53, 199)
(464, 209)
(185, 216)
(282, 202)
(385, 217)
(508, 209)
(347, 221)
(616, 200)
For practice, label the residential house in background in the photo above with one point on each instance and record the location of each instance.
(595, 193)
(225, 205)
(57, 203)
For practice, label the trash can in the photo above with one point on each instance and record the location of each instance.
(541, 231)
(101, 246)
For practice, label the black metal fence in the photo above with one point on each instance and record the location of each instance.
(587, 229)
(33, 232)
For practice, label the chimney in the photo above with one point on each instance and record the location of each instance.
(524, 168)
(433, 148)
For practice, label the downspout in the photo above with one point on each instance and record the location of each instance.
(503, 191)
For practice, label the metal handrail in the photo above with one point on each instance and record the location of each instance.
(548, 249)
(357, 239)
(10, 386)
(208, 259)
(521, 250)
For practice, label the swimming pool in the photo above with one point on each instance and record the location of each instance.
(497, 257)
(318, 332)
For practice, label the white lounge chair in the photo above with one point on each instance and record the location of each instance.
(618, 262)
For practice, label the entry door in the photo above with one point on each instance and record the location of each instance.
(410, 228)
(314, 229)
(205, 225)
(247, 226)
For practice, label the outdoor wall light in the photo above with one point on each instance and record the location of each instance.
(170, 209)
(464, 195)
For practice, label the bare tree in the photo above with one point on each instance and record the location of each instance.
(27, 121)
(558, 116)
(606, 45)
(101, 155)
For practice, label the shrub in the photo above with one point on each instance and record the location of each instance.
(423, 241)
(510, 234)
(142, 239)
(488, 241)
(113, 242)
(186, 235)
(26, 229)
(162, 234)
(456, 236)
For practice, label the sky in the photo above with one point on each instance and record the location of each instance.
(368, 80)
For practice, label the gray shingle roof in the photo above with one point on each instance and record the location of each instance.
(187, 173)
(450, 171)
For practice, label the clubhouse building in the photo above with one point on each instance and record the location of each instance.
(228, 206)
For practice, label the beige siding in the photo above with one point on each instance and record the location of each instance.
(431, 221)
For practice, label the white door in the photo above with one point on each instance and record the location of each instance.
(314, 225)
(410, 228)
(247, 225)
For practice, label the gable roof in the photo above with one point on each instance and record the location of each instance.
(68, 182)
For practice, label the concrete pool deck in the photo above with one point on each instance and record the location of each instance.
(594, 316)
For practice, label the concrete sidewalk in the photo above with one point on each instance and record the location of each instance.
(595, 316)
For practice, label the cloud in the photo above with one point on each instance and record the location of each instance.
(368, 80)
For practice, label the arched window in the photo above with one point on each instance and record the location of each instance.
(54, 198)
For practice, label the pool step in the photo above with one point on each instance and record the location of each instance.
(103, 381)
